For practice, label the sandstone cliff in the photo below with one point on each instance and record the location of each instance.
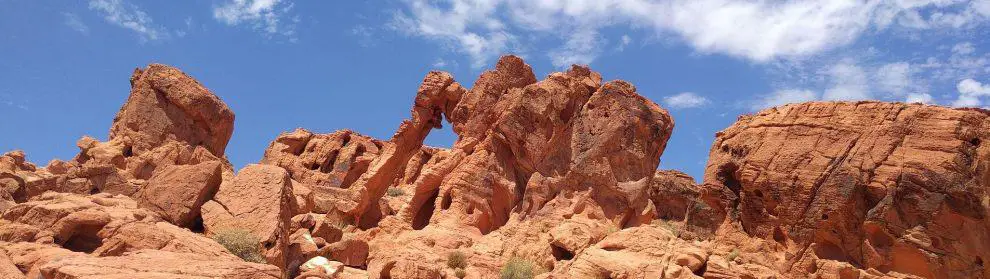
(556, 178)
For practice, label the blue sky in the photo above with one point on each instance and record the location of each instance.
(328, 65)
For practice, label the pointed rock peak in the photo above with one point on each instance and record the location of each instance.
(512, 72)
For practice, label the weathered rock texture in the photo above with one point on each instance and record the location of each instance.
(886, 186)
(168, 120)
(559, 173)
(118, 209)
(530, 154)
(259, 200)
(156, 264)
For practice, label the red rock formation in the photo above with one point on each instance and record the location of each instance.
(168, 120)
(590, 148)
(258, 200)
(328, 164)
(886, 186)
(165, 106)
(165, 149)
(58, 225)
(560, 173)
(177, 192)
(156, 264)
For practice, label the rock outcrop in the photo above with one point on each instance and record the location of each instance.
(119, 207)
(530, 154)
(258, 200)
(155, 264)
(178, 192)
(168, 120)
(556, 178)
(885, 186)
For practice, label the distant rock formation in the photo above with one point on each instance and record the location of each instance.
(558, 174)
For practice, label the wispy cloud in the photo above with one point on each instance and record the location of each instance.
(849, 82)
(581, 48)
(266, 16)
(970, 92)
(72, 21)
(130, 17)
(8, 101)
(466, 27)
(685, 100)
(624, 41)
(759, 31)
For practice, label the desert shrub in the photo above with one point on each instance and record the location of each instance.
(517, 268)
(395, 192)
(733, 255)
(240, 243)
(456, 259)
(460, 273)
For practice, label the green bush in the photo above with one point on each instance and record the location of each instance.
(395, 192)
(460, 273)
(240, 243)
(732, 255)
(517, 268)
(456, 259)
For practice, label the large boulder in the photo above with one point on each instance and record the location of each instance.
(14, 169)
(900, 188)
(258, 200)
(177, 192)
(166, 105)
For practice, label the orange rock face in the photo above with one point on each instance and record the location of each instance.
(891, 187)
(166, 151)
(556, 176)
(156, 264)
(167, 105)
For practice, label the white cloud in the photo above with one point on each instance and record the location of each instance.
(128, 16)
(624, 41)
(972, 87)
(894, 78)
(940, 13)
(923, 98)
(754, 30)
(262, 15)
(7, 99)
(466, 27)
(970, 92)
(581, 48)
(899, 79)
(963, 48)
(848, 83)
(782, 97)
(444, 64)
(685, 100)
(72, 21)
